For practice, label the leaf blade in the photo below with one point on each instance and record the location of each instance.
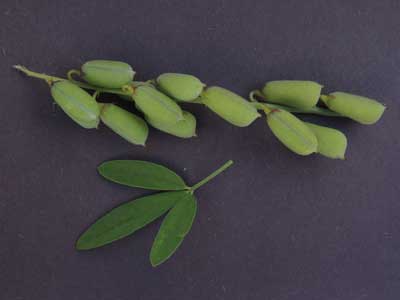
(173, 230)
(142, 174)
(127, 218)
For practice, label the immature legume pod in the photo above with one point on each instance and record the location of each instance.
(185, 128)
(292, 132)
(293, 93)
(361, 109)
(107, 73)
(229, 106)
(182, 87)
(133, 84)
(126, 124)
(76, 103)
(156, 105)
(331, 142)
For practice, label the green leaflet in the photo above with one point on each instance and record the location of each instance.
(131, 216)
(173, 230)
(127, 218)
(142, 174)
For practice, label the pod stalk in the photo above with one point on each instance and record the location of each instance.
(315, 110)
(51, 79)
(45, 77)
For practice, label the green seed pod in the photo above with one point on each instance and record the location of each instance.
(292, 132)
(107, 73)
(76, 103)
(293, 93)
(182, 87)
(361, 109)
(156, 105)
(229, 106)
(134, 84)
(185, 128)
(126, 124)
(331, 142)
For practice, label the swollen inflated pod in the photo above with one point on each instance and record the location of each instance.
(292, 132)
(292, 93)
(181, 87)
(185, 128)
(361, 109)
(229, 106)
(156, 105)
(133, 85)
(126, 124)
(107, 73)
(331, 142)
(76, 103)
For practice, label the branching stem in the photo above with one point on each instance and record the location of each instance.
(128, 90)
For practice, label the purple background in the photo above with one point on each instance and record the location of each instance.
(275, 226)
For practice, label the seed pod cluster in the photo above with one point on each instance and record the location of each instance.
(159, 102)
(303, 97)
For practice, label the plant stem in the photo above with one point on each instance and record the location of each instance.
(211, 176)
(312, 110)
(50, 79)
(30, 73)
(255, 93)
(266, 106)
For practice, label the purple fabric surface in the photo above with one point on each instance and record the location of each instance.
(275, 225)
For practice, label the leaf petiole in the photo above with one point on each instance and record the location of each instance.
(211, 176)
